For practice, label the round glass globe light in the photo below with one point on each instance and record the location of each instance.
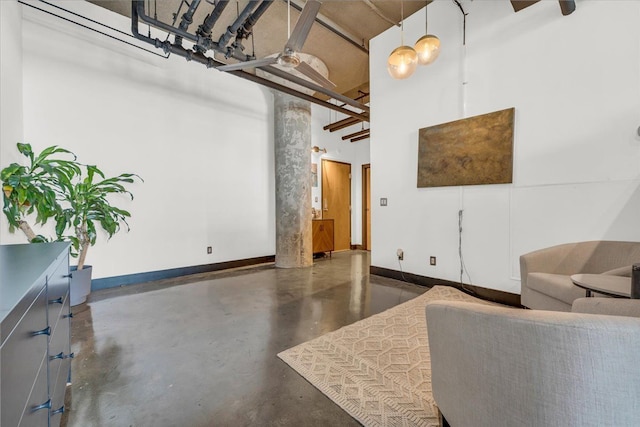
(427, 48)
(402, 62)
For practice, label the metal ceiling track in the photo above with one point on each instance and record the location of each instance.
(241, 27)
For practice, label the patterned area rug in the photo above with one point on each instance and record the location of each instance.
(378, 369)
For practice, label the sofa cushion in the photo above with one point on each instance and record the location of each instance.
(559, 286)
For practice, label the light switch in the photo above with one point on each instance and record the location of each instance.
(383, 201)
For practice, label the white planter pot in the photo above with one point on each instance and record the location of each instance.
(80, 284)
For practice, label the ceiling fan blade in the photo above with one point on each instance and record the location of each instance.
(303, 26)
(248, 64)
(310, 72)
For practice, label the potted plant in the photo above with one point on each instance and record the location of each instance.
(85, 207)
(33, 190)
(75, 195)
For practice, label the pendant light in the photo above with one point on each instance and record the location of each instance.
(428, 46)
(403, 60)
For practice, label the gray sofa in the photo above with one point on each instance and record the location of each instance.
(494, 366)
(545, 273)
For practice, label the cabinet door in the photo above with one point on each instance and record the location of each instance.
(22, 355)
(322, 235)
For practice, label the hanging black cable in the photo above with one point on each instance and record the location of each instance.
(90, 28)
(464, 22)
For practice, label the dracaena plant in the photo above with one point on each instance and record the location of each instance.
(87, 206)
(56, 186)
(32, 191)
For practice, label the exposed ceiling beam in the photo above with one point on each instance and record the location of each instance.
(360, 138)
(567, 7)
(353, 135)
(518, 5)
(341, 124)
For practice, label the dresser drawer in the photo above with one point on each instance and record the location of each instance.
(36, 412)
(59, 361)
(58, 288)
(58, 385)
(22, 354)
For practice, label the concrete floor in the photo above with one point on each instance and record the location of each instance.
(201, 350)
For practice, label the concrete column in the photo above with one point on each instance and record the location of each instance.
(292, 117)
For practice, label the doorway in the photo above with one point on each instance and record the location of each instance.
(366, 207)
(336, 200)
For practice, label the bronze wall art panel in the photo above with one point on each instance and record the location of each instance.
(473, 151)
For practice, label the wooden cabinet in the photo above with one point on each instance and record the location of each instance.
(34, 333)
(323, 235)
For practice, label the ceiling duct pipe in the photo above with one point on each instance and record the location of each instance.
(137, 7)
(245, 30)
(190, 55)
(204, 30)
(187, 19)
(233, 29)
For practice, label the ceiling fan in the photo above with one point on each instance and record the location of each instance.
(289, 57)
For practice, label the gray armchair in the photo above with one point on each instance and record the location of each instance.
(546, 273)
(496, 366)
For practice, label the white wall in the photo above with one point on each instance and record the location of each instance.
(202, 140)
(10, 85)
(575, 84)
(357, 154)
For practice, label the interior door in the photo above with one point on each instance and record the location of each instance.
(336, 200)
(366, 203)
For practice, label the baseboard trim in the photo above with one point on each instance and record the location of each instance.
(131, 279)
(357, 247)
(494, 295)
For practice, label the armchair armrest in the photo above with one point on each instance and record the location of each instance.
(548, 260)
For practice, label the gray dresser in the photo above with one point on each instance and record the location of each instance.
(35, 345)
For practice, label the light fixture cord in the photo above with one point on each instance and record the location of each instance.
(426, 18)
(288, 19)
(401, 23)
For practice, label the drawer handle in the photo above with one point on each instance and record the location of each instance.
(69, 316)
(57, 356)
(68, 276)
(45, 405)
(56, 301)
(45, 331)
(63, 356)
(60, 410)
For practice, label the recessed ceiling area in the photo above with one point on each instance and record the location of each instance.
(339, 37)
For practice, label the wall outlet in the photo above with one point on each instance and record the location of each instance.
(400, 254)
(209, 250)
(432, 260)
